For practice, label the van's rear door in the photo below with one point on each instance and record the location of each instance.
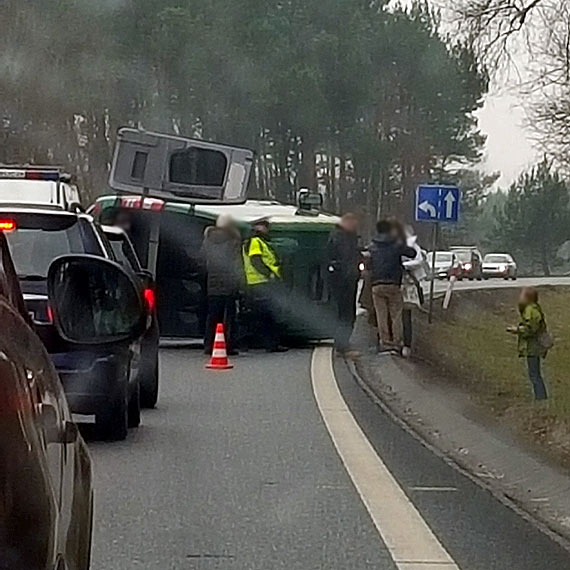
(179, 169)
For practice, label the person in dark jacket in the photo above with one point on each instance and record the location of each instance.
(386, 272)
(221, 251)
(343, 257)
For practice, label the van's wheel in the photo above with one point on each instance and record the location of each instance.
(149, 389)
(112, 423)
(134, 412)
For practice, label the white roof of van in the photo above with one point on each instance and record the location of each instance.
(274, 211)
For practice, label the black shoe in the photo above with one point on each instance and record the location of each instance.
(278, 349)
(233, 352)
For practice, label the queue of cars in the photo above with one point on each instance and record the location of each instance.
(80, 336)
(109, 382)
(466, 262)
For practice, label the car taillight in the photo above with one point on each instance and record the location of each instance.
(150, 299)
(49, 313)
(7, 225)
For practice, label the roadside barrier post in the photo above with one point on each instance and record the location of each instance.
(448, 292)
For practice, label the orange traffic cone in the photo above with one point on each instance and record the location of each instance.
(219, 359)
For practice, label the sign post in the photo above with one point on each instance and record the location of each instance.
(435, 204)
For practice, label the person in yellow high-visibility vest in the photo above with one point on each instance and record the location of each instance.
(263, 276)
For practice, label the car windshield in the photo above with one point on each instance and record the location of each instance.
(344, 231)
(492, 258)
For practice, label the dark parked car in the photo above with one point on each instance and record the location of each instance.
(125, 254)
(46, 497)
(99, 379)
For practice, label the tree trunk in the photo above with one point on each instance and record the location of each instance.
(307, 170)
(545, 261)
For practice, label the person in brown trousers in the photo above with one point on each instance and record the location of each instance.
(386, 271)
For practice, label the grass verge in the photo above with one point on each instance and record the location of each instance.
(469, 345)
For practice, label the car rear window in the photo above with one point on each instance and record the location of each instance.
(464, 255)
(34, 245)
(28, 192)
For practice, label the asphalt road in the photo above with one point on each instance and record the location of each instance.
(237, 470)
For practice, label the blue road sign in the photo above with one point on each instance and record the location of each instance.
(437, 203)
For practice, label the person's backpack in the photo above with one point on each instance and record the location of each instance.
(545, 340)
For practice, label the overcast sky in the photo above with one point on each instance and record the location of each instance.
(508, 149)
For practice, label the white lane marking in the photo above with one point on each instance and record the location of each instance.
(410, 541)
(434, 489)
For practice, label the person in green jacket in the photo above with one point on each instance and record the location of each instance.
(532, 325)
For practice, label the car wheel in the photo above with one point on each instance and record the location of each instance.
(112, 423)
(134, 411)
(149, 389)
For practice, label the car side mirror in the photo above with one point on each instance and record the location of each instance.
(94, 300)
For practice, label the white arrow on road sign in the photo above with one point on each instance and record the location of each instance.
(449, 200)
(428, 209)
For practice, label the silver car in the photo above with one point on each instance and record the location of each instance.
(499, 265)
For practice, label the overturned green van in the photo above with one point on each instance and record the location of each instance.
(177, 230)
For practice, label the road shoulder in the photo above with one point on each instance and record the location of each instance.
(453, 425)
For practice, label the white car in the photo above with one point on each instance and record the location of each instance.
(499, 265)
(42, 186)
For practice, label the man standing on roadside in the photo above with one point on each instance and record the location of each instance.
(386, 270)
(263, 276)
(221, 251)
(343, 257)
